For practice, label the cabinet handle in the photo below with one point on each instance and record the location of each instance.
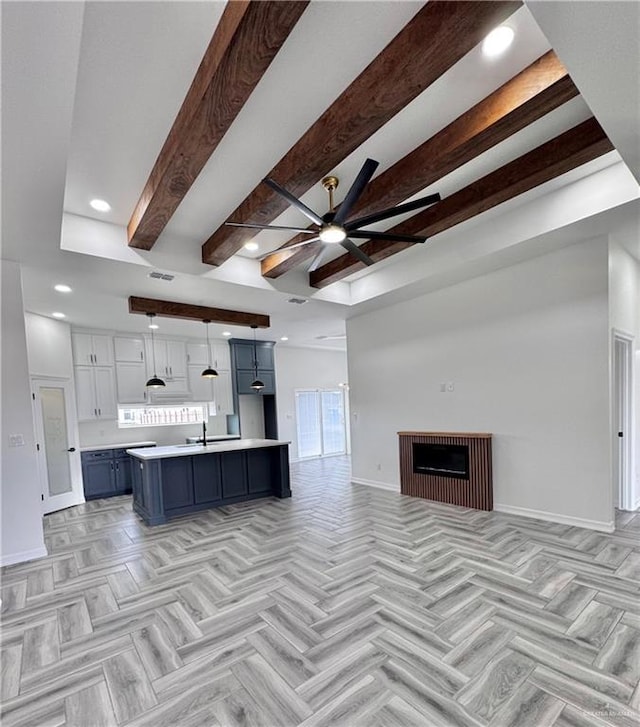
(171, 370)
(141, 356)
(95, 412)
(100, 412)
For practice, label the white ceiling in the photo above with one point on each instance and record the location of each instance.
(90, 91)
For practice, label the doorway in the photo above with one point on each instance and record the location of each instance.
(623, 496)
(320, 422)
(58, 456)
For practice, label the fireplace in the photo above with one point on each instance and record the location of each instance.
(444, 460)
(447, 467)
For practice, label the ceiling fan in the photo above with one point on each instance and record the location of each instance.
(335, 227)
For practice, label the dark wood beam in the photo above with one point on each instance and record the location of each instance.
(537, 90)
(244, 43)
(171, 309)
(565, 152)
(438, 36)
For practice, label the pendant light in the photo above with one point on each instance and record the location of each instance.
(257, 383)
(209, 372)
(154, 382)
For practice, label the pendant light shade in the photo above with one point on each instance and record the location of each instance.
(209, 372)
(155, 382)
(257, 384)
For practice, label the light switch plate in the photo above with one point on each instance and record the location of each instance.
(16, 440)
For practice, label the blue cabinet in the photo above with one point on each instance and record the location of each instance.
(177, 483)
(234, 475)
(106, 473)
(207, 483)
(246, 378)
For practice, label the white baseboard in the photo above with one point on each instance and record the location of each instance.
(602, 526)
(374, 483)
(22, 557)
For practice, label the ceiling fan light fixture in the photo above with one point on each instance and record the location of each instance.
(498, 40)
(332, 233)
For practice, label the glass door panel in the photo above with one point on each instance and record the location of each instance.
(308, 424)
(333, 433)
(56, 442)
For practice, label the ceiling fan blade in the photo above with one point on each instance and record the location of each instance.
(371, 235)
(294, 201)
(289, 247)
(392, 212)
(356, 189)
(317, 260)
(271, 227)
(356, 252)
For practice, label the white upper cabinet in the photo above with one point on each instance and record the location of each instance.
(92, 350)
(95, 392)
(222, 392)
(131, 377)
(200, 388)
(129, 349)
(220, 357)
(171, 359)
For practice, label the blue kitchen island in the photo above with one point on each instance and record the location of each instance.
(181, 479)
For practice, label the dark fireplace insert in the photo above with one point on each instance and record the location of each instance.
(442, 460)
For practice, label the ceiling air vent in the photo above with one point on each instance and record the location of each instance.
(161, 276)
(297, 301)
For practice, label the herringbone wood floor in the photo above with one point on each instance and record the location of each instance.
(343, 606)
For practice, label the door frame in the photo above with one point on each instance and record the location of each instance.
(76, 495)
(622, 389)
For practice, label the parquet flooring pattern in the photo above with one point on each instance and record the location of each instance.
(345, 605)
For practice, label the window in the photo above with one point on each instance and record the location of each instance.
(159, 416)
(320, 422)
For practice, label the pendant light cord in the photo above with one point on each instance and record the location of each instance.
(153, 346)
(206, 323)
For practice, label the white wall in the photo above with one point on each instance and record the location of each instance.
(526, 348)
(22, 535)
(303, 368)
(48, 347)
(624, 316)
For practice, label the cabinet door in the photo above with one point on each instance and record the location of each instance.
(105, 392)
(234, 474)
(201, 389)
(259, 470)
(222, 393)
(124, 475)
(177, 482)
(82, 348)
(206, 478)
(102, 350)
(99, 478)
(221, 355)
(177, 359)
(245, 379)
(85, 393)
(198, 353)
(161, 360)
(244, 355)
(265, 357)
(130, 380)
(129, 349)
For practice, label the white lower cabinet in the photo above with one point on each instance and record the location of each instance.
(95, 391)
(131, 379)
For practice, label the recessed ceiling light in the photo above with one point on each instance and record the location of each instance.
(284, 338)
(251, 246)
(61, 288)
(226, 333)
(154, 326)
(57, 314)
(498, 40)
(100, 205)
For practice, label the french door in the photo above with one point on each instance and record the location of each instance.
(320, 422)
(58, 458)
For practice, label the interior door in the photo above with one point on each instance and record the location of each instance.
(623, 497)
(58, 453)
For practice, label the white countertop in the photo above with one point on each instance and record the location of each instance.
(188, 450)
(120, 445)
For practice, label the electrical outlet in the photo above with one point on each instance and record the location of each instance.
(16, 440)
(450, 386)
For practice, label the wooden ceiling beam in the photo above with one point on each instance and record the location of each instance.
(438, 36)
(246, 40)
(171, 309)
(565, 152)
(534, 92)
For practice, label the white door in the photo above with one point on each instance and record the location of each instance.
(623, 496)
(102, 350)
(59, 464)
